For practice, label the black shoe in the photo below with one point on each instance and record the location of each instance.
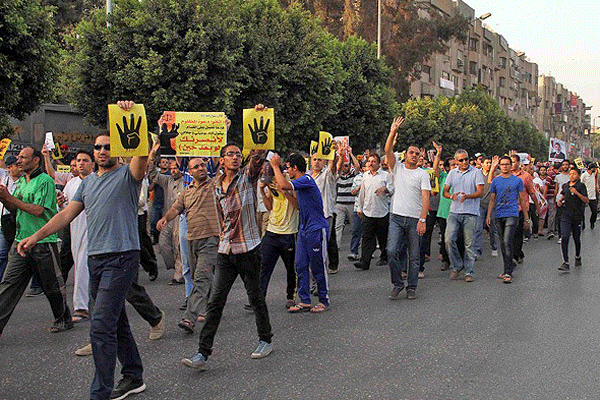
(564, 267)
(34, 292)
(520, 260)
(381, 263)
(550, 235)
(360, 265)
(153, 275)
(395, 293)
(445, 266)
(592, 225)
(127, 386)
(183, 307)
(410, 294)
(577, 262)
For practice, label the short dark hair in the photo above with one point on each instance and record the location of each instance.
(505, 158)
(222, 153)
(296, 160)
(566, 160)
(87, 153)
(576, 170)
(516, 157)
(102, 133)
(376, 156)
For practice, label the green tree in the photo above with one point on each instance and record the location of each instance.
(28, 58)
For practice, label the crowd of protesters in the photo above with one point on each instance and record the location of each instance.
(216, 218)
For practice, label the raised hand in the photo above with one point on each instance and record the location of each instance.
(313, 149)
(130, 133)
(326, 146)
(259, 133)
(438, 147)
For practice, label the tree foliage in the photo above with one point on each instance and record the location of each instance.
(27, 57)
(226, 55)
(473, 121)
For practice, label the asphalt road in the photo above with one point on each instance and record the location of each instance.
(537, 338)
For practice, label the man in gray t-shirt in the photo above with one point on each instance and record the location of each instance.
(110, 200)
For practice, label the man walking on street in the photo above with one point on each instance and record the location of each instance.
(409, 213)
(467, 183)
(34, 202)
(110, 200)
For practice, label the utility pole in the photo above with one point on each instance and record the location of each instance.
(109, 10)
(378, 29)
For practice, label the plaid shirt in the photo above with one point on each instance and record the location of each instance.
(240, 232)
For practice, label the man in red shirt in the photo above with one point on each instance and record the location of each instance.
(528, 183)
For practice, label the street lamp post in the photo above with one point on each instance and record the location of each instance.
(109, 10)
(378, 29)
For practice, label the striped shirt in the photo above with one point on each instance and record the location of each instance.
(198, 201)
(344, 189)
(240, 231)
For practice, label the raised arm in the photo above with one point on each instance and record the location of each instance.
(48, 162)
(138, 164)
(391, 142)
(282, 183)
(437, 159)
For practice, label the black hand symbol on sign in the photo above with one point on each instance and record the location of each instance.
(326, 146)
(259, 133)
(313, 149)
(165, 138)
(130, 133)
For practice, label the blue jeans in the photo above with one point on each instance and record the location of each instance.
(111, 276)
(356, 233)
(4, 248)
(494, 238)
(467, 224)
(507, 227)
(402, 233)
(185, 256)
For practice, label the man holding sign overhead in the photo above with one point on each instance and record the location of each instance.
(110, 200)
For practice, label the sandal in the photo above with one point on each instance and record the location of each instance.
(289, 303)
(507, 279)
(186, 325)
(300, 307)
(319, 308)
(80, 316)
(501, 276)
(60, 327)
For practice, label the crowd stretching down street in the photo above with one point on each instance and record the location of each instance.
(214, 218)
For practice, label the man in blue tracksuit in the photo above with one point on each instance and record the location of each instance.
(311, 244)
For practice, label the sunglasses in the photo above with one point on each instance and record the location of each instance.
(463, 160)
(99, 147)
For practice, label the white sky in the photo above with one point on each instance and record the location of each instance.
(562, 37)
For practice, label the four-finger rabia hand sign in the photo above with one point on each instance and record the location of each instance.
(314, 147)
(259, 132)
(326, 146)
(130, 132)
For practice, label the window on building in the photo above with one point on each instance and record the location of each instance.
(455, 80)
(488, 50)
(502, 82)
(472, 67)
(502, 62)
(473, 44)
(445, 75)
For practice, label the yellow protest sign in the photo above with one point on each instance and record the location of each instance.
(4, 143)
(314, 146)
(579, 163)
(128, 131)
(325, 150)
(259, 129)
(63, 168)
(56, 152)
(433, 180)
(200, 134)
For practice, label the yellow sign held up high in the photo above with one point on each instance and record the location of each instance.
(314, 146)
(4, 143)
(128, 131)
(259, 129)
(200, 133)
(325, 150)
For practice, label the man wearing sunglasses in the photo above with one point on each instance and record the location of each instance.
(467, 183)
(198, 201)
(110, 200)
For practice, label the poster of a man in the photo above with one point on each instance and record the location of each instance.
(557, 150)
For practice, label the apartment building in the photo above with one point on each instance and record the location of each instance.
(486, 60)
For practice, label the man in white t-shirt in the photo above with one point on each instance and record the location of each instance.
(589, 179)
(409, 212)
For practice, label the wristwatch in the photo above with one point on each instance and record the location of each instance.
(422, 220)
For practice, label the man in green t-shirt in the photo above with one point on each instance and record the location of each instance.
(34, 202)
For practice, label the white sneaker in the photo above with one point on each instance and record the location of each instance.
(421, 274)
(263, 350)
(559, 241)
(84, 351)
(494, 253)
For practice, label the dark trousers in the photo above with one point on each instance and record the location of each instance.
(568, 226)
(65, 255)
(272, 247)
(41, 262)
(332, 247)
(147, 256)
(111, 276)
(594, 209)
(558, 216)
(229, 266)
(374, 230)
(535, 220)
(156, 213)
(443, 250)
(506, 230)
(518, 238)
(430, 225)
